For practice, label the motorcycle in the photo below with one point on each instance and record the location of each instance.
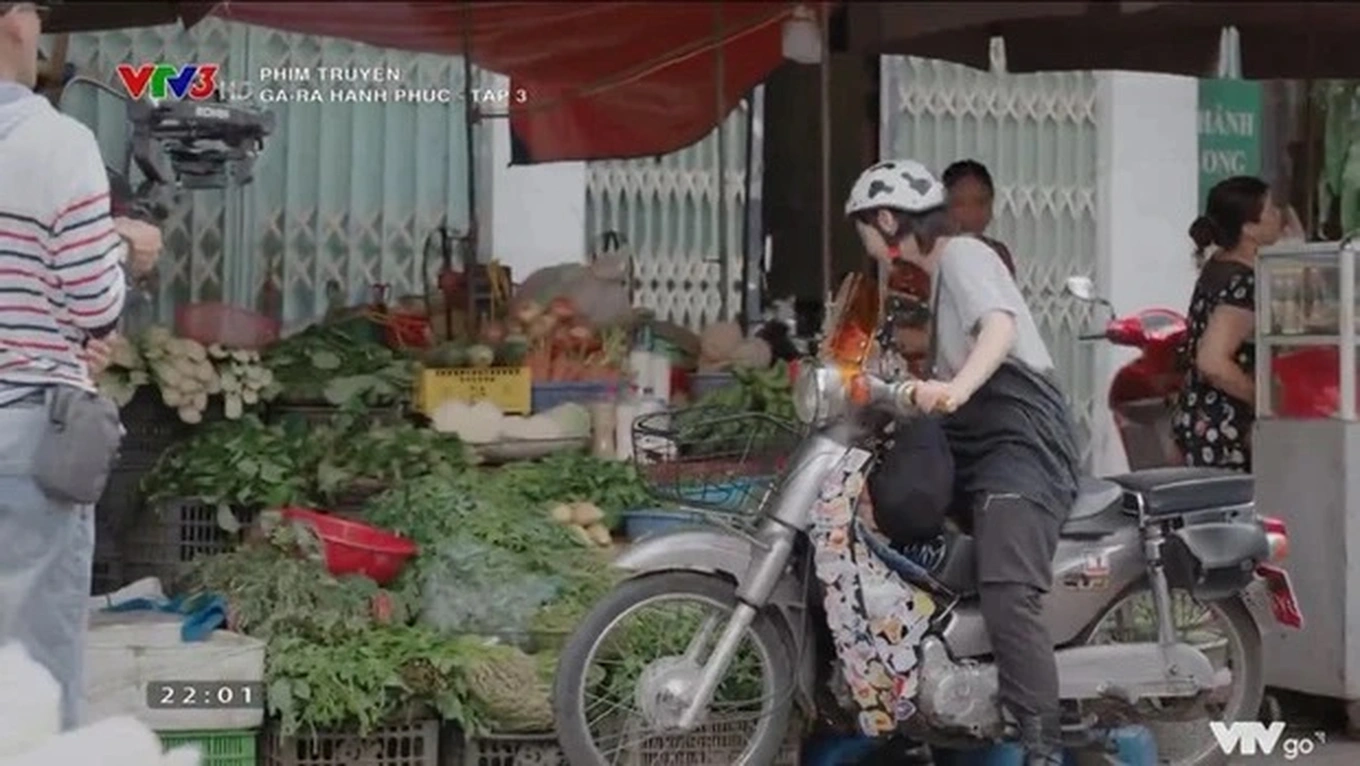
(1134, 549)
(1143, 391)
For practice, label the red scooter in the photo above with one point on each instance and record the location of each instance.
(1143, 391)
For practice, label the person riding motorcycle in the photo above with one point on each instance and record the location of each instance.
(1007, 424)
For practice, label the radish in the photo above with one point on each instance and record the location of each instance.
(581, 335)
(527, 312)
(542, 326)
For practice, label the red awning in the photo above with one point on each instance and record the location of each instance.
(600, 80)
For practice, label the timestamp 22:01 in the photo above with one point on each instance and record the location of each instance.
(201, 695)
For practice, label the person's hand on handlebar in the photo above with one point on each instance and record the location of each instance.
(144, 244)
(938, 396)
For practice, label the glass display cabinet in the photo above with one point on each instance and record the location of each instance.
(1306, 458)
(1306, 332)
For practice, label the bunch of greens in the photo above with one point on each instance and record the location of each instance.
(342, 651)
(490, 510)
(362, 455)
(365, 679)
(247, 463)
(716, 424)
(338, 365)
(611, 485)
(279, 586)
(242, 463)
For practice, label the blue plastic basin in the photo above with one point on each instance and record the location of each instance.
(726, 496)
(646, 523)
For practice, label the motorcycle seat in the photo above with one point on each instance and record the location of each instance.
(1169, 491)
(1094, 496)
(1097, 511)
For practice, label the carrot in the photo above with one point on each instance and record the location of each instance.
(539, 362)
(559, 369)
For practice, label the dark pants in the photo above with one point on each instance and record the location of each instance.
(1016, 541)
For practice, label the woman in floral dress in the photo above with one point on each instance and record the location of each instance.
(1214, 414)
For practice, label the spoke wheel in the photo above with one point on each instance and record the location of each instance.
(626, 673)
(1227, 634)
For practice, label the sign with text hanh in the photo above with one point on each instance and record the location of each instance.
(1229, 131)
(196, 82)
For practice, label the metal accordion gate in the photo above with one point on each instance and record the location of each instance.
(1037, 135)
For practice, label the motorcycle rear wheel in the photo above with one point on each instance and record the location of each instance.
(1243, 643)
(572, 682)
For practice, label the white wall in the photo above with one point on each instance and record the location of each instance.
(538, 212)
(1148, 175)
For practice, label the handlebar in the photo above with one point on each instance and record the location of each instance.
(894, 396)
(1091, 336)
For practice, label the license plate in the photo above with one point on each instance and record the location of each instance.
(1282, 601)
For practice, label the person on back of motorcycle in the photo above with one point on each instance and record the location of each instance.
(1007, 427)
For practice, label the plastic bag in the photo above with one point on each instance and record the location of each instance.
(1309, 383)
(600, 290)
(471, 587)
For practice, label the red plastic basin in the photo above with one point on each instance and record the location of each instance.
(354, 548)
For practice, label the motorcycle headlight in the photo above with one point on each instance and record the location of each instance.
(815, 395)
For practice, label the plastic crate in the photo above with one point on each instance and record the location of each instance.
(117, 509)
(549, 395)
(106, 575)
(719, 743)
(150, 428)
(219, 748)
(415, 744)
(509, 388)
(163, 539)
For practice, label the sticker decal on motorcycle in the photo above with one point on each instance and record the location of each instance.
(1080, 580)
(1094, 573)
(876, 619)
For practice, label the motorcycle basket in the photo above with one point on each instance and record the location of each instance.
(712, 458)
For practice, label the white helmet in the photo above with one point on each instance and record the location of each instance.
(904, 185)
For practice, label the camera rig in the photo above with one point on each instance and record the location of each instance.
(209, 144)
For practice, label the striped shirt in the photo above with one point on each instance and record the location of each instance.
(61, 275)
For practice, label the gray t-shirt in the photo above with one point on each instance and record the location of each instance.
(971, 282)
(1015, 434)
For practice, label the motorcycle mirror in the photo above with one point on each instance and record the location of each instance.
(1082, 288)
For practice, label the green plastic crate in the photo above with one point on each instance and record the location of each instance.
(220, 748)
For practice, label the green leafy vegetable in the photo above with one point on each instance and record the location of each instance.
(241, 463)
(338, 365)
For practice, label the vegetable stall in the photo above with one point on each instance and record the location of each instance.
(405, 524)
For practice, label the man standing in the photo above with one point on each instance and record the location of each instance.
(62, 284)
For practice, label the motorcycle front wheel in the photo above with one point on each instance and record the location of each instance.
(1228, 634)
(644, 669)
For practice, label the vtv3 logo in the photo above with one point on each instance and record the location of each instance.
(1257, 738)
(196, 82)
